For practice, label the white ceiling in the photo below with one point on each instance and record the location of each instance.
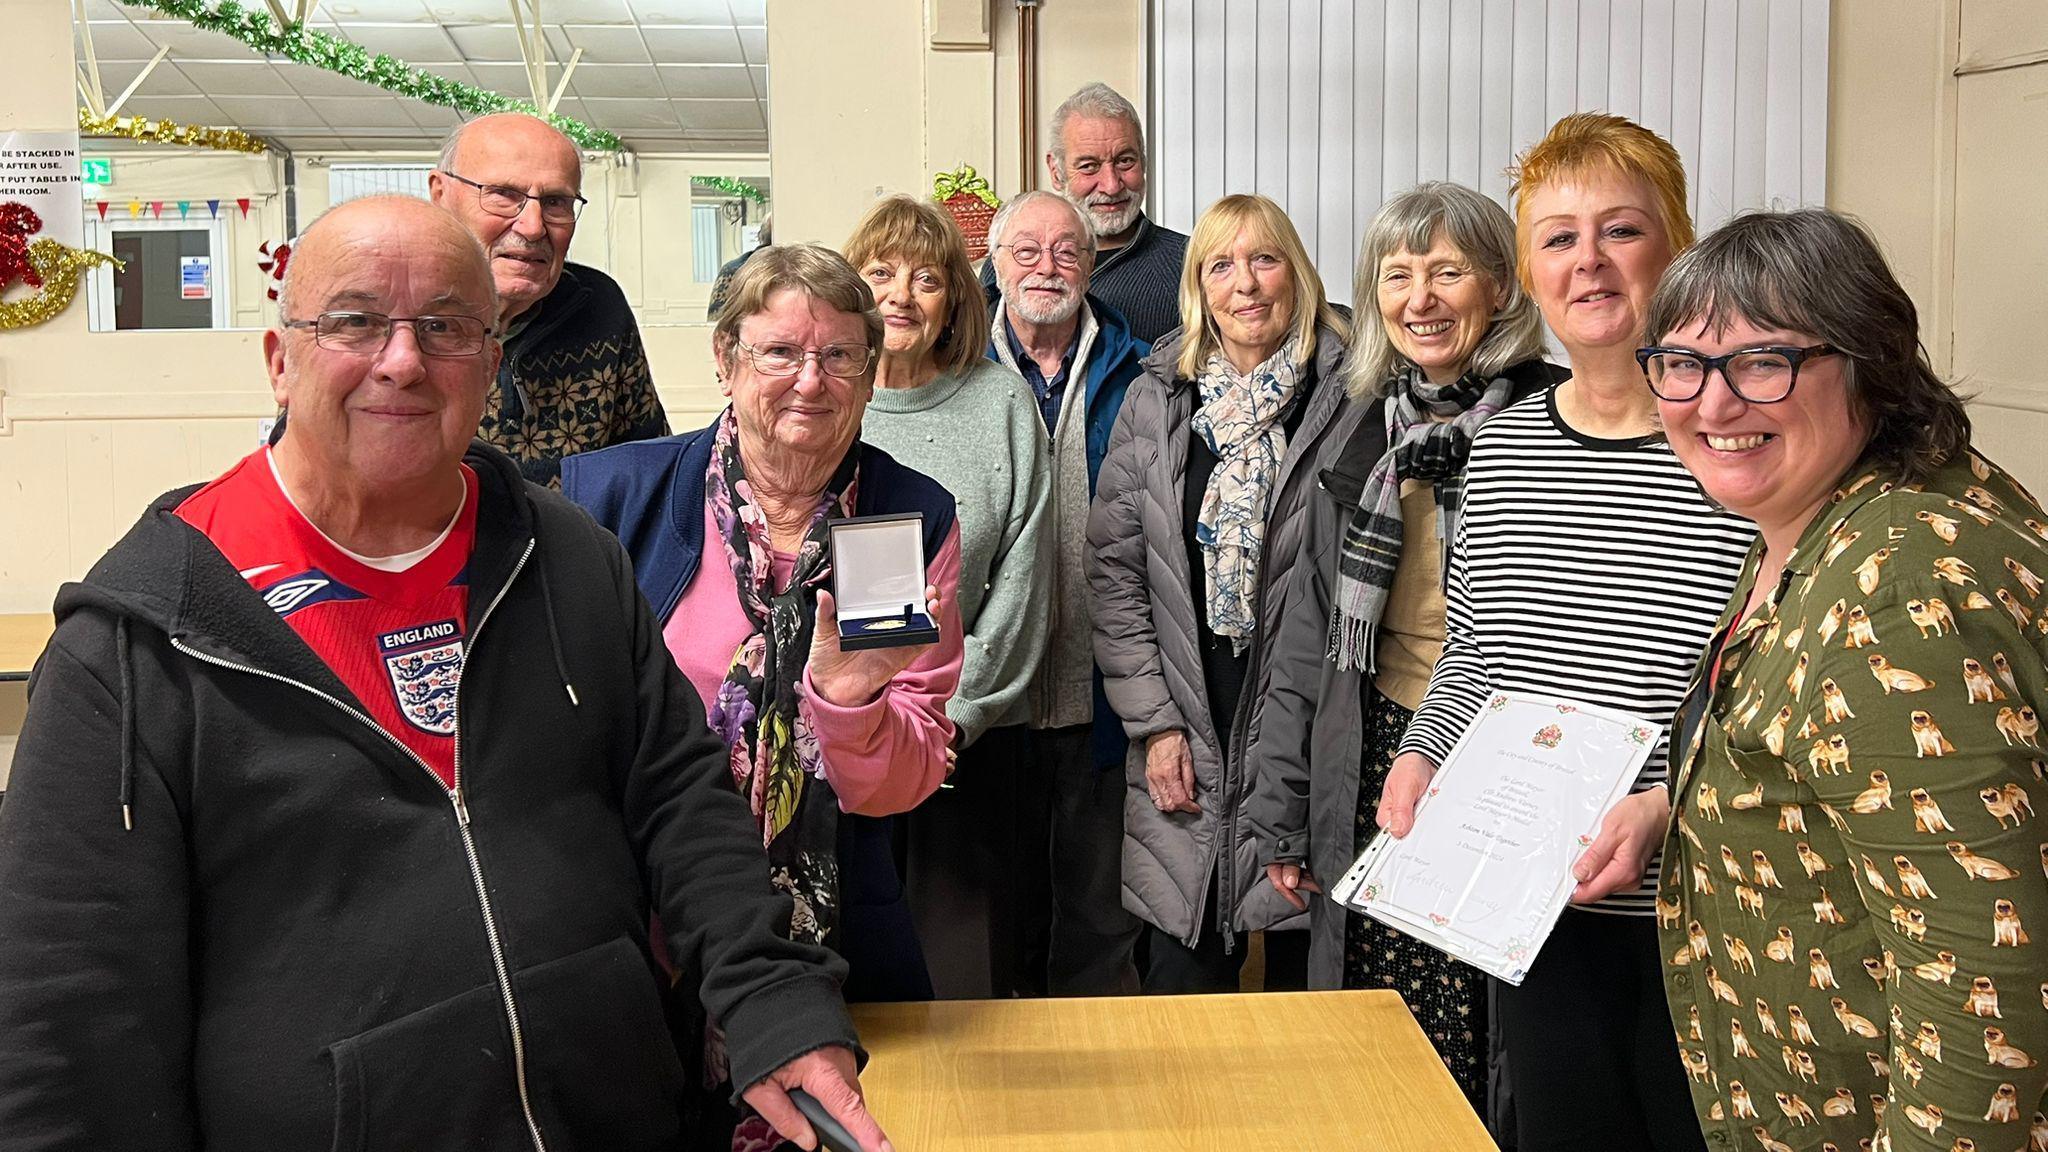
(663, 75)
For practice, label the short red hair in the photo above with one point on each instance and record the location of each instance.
(1586, 142)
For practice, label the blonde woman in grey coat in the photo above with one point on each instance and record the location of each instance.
(1196, 520)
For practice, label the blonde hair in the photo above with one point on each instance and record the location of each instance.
(1595, 142)
(906, 228)
(1215, 231)
(812, 269)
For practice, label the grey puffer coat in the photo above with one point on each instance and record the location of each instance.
(1147, 637)
(1304, 763)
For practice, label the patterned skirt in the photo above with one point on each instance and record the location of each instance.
(1447, 997)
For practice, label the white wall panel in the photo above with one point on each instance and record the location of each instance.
(1331, 106)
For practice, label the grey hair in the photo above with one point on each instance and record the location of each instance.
(1484, 235)
(1097, 101)
(292, 265)
(1819, 273)
(1001, 223)
(453, 144)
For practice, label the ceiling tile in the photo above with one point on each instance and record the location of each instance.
(412, 43)
(432, 117)
(726, 142)
(693, 45)
(509, 79)
(236, 79)
(688, 80)
(749, 11)
(755, 41)
(457, 72)
(183, 109)
(605, 45)
(637, 80)
(701, 115)
(164, 80)
(262, 113)
(623, 115)
(103, 10)
(587, 12)
(346, 112)
(119, 40)
(189, 43)
(487, 42)
(310, 81)
(365, 11)
(681, 11)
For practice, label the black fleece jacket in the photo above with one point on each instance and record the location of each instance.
(290, 947)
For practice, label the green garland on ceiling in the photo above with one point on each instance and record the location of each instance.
(732, 187)
(254, 27)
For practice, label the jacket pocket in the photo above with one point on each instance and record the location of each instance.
(601, 1071)
(601, 1065)
(441, 1077)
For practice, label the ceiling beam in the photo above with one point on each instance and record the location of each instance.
(562, 85)
(89, 86)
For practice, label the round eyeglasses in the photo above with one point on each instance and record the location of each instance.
(845, 361)
(1763, 375)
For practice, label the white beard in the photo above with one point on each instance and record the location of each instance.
(1115, 224)
(1036, 312)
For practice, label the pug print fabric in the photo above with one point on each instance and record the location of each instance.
(1855, 895)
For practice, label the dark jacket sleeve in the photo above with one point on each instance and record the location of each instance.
(776, 999)
(1126, 642)
(95, 989)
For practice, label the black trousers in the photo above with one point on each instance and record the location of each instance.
(1092, 937)
(1591, 1054)
(1216, 962)
(977, 872)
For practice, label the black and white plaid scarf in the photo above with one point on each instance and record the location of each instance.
(1418, 448)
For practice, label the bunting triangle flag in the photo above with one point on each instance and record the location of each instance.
(102, 206)
(156, 209)
(243, 204)
(213, 207)
(134, 209)
(184, 209)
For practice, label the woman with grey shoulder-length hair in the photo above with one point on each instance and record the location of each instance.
(1456, 341)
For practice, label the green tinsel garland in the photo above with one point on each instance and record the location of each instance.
(732, 187)
(319, 50)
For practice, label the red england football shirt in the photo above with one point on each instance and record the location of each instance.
(395, 638)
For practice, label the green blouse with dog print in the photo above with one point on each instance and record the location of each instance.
(1855, 880)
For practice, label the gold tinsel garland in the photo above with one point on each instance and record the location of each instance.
(169, 132)
(60, 267)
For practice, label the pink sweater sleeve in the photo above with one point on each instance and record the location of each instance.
(888, 755)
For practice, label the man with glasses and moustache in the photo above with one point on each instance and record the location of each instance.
(574, 377)
(1097, 160)
(296, 856)
(1079, 356)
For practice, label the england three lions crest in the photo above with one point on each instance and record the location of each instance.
(425, 663)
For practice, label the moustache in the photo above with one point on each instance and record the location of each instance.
(1051, 282)
(513, 244)
(1107, 199)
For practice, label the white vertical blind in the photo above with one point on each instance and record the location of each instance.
(349, 181)
(1331, 106)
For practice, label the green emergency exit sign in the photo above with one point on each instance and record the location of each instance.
(98, 169)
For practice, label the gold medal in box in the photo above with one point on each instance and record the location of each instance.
(878, 581)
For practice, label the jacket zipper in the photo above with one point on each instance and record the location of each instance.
(461, 807)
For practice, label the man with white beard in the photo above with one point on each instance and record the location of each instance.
(574, 376)
(1097, 160)
(1079, 356)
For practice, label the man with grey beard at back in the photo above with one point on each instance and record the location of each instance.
(1097, 160)
(574, 377)
(1079, 356)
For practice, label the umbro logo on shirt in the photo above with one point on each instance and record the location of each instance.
(304, 590)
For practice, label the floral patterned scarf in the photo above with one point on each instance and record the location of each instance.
(1240, 419)
(775, 758)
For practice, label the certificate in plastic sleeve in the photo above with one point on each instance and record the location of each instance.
(1486, 870)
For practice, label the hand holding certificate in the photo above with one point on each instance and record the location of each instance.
(1487, 867)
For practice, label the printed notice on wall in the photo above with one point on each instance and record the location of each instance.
(40, 171)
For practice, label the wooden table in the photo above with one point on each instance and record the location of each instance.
(1246, 1073)
(22, 637)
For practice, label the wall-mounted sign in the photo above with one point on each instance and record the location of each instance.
(40, 170)
(195, 277)
(97, 169)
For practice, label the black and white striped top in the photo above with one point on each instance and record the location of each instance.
(1586, 568)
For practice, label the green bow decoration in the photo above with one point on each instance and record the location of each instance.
(947, 185)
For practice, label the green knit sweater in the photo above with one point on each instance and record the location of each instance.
(978, 433)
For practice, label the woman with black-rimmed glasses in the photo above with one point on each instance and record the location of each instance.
(1866, 746)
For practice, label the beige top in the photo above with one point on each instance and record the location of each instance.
(1412, 628)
